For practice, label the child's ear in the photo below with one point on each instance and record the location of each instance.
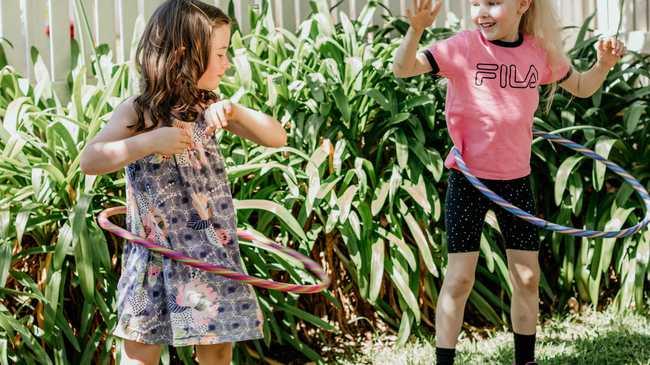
(524, 5)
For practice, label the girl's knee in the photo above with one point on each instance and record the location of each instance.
(459, 285)
(525, 282)
(137, 353)
(217, 353)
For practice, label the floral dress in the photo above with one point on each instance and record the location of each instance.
(183, 202)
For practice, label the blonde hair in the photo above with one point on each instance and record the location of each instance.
(542, 22)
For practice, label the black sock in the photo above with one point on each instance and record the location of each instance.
(524, 349)
(445, 356)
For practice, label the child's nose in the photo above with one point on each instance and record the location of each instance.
(482, 11)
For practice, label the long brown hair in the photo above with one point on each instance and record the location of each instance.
(171, 57)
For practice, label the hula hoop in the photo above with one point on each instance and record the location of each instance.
(310, 265)
(641, 191)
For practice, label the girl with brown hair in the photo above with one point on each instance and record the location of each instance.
(177, 190)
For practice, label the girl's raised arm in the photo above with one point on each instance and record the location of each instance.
(407, 62)
(251, 124)
(115, 146)
(585, 84)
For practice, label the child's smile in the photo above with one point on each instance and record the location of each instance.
(498, 20)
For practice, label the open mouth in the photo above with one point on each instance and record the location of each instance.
(487, 25)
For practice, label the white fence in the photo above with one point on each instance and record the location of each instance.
(45, 24)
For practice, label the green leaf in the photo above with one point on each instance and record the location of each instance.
(615, 223)
(484, 307)
(5, 261)
(64, 246)
(380, 99)
(14, 114)
(52, 291)
(302, 347)
(642, 259)
(399, 276)
(376, 269)
(576, 193)
(21, 223)
(404, 329)
(327, 187)
(563, 174)
(430, 158)
(401, 149)
(379, 198)
(244, 71)
(91, 346)
(55, 174)
(83, 248)
(402, 247)
(603, 147)
(421, 241)
(633, 115)
(3, 342)
(342, 104)
(487, 252)
(5, 218)
(418, 193)
(580, 38)
(11, 325)
(315, 161)
(308, 317)
(345, 201)
(276, 209)
(394, 183)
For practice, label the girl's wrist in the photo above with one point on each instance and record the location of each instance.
(151, 140)
(417, 31)
(602, 66)
(236, 110)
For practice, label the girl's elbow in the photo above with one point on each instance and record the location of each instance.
(399, 72)
(84, 164)
(88, 163)
(584, 95)
(87, 170)
(281, 141)
(87, 167)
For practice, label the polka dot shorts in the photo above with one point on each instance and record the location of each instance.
(465, 209)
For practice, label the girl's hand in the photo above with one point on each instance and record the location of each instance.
(217, 116)
(200, 203)
(171, 140)
(609, 52)
(423, 13)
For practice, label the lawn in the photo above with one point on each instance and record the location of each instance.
(589, 338)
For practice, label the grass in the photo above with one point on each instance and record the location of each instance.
(590, 338)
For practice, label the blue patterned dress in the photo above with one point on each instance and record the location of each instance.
(183, 202)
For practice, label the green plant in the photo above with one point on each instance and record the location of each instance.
(359, 188)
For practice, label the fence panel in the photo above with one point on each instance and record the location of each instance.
(45, 24)
(13, 29)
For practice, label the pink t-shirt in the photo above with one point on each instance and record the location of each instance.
(492, 95)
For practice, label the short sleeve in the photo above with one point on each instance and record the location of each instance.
(556, 71)
(447, 56)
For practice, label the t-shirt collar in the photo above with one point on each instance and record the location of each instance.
(512, 44)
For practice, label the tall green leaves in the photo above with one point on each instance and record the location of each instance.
(359, 188)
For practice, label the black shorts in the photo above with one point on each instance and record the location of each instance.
(465, 209)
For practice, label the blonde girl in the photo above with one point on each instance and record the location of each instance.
(494, 73)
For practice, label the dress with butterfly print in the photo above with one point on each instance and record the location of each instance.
(183, 202)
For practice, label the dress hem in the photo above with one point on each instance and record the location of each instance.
(188, 341)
